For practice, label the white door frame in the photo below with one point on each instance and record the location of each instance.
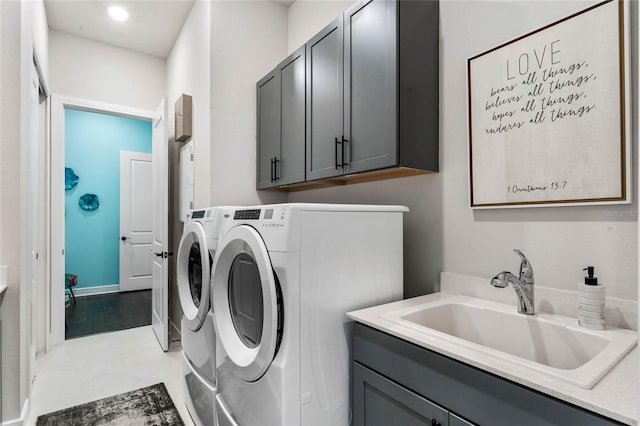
(30, 128)
(55, 321)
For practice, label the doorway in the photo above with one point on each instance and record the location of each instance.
(87, 202)
(95, 144)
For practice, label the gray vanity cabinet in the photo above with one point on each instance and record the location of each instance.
(281, 123)
(372, 91)
(380, 401)
(395, 379)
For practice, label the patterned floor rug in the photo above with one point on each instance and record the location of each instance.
(147, 406)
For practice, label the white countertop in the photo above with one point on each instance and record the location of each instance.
(614, 396)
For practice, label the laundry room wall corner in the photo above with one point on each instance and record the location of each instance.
(188, 68)
(259, 33)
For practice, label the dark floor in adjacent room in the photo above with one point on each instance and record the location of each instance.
(108, 312)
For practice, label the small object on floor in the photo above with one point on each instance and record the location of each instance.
(70, 281)
(147, 406)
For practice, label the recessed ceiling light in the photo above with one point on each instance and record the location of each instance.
(118, 13)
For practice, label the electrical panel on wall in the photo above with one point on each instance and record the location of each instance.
(186, 178)
(183, 118)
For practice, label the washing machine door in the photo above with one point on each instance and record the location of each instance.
(193, 274)
(247, 303)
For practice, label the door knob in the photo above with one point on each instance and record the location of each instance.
(123, 238)
(163, 254)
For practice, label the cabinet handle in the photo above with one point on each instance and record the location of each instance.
(275, 168)
(336, 152)
(272, 163)
(344, 144)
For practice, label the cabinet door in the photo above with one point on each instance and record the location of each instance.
(379, 401)
(370, 77)
(290, 167)
(268, 128)
(458, 421)
(325, 102)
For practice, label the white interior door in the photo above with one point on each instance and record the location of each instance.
(136, 205)
(159, 246)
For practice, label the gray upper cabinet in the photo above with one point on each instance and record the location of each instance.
(325, 102)
(372, 99)
(281, 123)
(377, 66)
(370, 81)
(268, 127)
(290, 169)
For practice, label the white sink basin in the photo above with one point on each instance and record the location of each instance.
(550, 344)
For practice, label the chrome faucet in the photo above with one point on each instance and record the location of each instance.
(523, 285)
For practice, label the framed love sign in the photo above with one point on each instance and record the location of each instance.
(548, 114)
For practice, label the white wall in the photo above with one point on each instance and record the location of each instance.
(441, 232)
(188, 72)
(248, 39)
(9, 198)
(307, 18)
(559, 241)
(87, 69)
(22, 30)
(36, 20)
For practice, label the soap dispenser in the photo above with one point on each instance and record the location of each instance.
(591, 302)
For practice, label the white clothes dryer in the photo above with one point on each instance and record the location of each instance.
(196, 251)
(283, 279)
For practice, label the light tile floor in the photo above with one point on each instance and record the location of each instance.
(89, 368)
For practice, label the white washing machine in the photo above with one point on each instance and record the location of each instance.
(195, 256)
(283, 279)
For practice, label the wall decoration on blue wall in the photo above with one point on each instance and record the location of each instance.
(70, 178)
(89, 202)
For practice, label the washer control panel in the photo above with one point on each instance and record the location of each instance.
(252, 214)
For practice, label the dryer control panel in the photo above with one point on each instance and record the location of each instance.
(252, 214)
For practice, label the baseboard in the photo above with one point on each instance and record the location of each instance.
(91, 291)
(23, 416)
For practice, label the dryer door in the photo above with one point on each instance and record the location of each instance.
(193, 274)
(247, 302)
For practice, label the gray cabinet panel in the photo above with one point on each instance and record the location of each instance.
(458, 421)
(324, 102)
(380, 402)
(281, 124)
(268, 128)
(290, 168)
(370, 77)
(418, 76)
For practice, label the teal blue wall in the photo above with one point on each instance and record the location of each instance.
(92, 149)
